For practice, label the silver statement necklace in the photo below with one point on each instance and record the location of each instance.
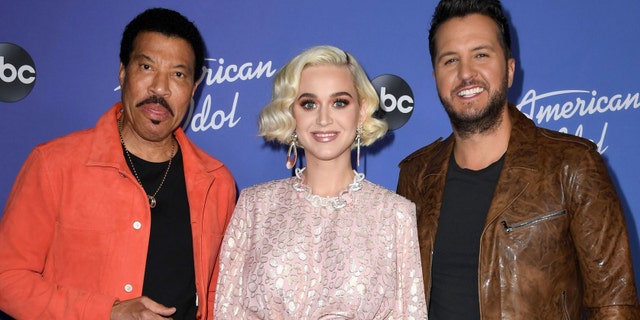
(326, 202)
(152, 198)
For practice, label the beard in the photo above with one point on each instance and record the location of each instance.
(482, 121)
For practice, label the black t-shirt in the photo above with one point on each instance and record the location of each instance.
(169, 274)
(454, 272)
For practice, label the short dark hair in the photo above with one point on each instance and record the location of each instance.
(448, 9)
(169, 23)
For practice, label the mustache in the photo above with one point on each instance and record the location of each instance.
(156, 100)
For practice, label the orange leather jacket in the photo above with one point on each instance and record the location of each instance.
(75, 229)
(554, 244)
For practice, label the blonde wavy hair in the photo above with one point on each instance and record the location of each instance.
(276, 120)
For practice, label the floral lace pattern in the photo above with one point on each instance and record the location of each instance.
(283, 258)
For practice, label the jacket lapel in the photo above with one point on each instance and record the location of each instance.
(519, 169)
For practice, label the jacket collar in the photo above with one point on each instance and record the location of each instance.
(521, 151)
(106, 149)
(517, 171)
(519, 164)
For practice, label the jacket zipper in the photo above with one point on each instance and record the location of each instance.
(428, 291)
(508, 228)
(564, 305)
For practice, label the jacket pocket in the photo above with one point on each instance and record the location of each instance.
(508, 228)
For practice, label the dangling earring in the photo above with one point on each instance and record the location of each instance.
(291, 161)
(358, 142)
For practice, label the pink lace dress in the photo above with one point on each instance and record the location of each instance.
(284, 258)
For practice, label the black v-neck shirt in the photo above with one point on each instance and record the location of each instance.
(169, 273)
(454, 272)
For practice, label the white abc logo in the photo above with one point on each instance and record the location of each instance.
(396, 100)
(25, 73)
(17, 72)
(404, 103)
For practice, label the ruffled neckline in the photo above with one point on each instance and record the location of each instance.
(337, 202)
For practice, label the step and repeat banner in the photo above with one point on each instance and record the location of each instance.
(577, 72)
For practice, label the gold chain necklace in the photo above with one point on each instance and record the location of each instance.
(152, 198)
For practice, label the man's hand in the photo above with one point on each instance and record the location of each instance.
(140, 308)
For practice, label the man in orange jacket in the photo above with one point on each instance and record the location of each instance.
(124, 219)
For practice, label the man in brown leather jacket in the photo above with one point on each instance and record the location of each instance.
(514, 221)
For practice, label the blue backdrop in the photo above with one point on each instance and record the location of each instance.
(577, 71)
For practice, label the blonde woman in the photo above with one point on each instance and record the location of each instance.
(326, 243)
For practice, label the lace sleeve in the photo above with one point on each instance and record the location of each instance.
(410, 299)
(236, 242)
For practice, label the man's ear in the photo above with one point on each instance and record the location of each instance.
(121, 74)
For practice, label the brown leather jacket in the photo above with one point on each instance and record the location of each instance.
(554, 244)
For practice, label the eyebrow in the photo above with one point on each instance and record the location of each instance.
(445, 54)
(333, 95)
(484, 47)
(478, 48)
(148, 58)
(143, 57)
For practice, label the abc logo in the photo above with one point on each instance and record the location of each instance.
(17, 73)
(396, 100)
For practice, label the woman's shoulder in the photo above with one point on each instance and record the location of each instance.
(376, 191)
(272, 186)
